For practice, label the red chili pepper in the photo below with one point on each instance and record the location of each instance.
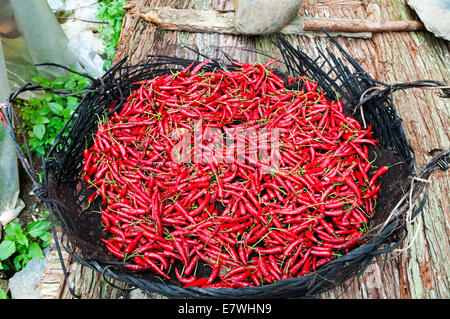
(114, 250)
(191, 265)
(181, 251)
(196, 283)
(199, 67)
(184, 212)
(295, 268)
(263, 267)
(155, 268)
(291, 247)
(373, 191)
(377, 174)
(214, 273)
(293, 217)
(157, 256)
(184, 280)
(272, 250)
(252, 210)
(106, 222)
(134, 267)
(320, 252)
(130, 248)
(241, 277)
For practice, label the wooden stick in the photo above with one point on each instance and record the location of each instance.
(190, 20)
(211, 21)
(310, 24)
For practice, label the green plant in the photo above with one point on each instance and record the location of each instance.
(3, 294)
(44, 117)
(110, 12)
(20, 244)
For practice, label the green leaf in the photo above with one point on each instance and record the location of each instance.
(20, 261)
(43, 110)
(36, 79)
(2, 292)
(38, 228)
(35, 119)
(66, 113)
(13, 229)
(59, 126)
(59, 99)
(46, 238)
(7, 248)
(72, 102)
(59, 80)
(44, 214)
(35, 251)
(4, 266)
(42, 120)
(47, 98)
(70, 84)
(22, 240)
(51, 141)
(55, 107)
(107, 64)
(45, 83)
(54, 121)
(39, 131)
(40, 150)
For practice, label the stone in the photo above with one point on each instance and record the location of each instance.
(141, 294)
(254, 17)
(435, 15)
(25, 283)
(56, 5)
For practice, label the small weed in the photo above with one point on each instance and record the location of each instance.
(3, 294)
(21, 244)
(111, 12)
(44, 117)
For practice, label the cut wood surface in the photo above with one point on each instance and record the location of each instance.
(421, 270)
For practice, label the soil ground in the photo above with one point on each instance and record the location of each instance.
(33, 207)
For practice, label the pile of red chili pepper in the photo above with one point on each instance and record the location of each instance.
(250, 221)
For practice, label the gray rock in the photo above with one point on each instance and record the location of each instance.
(264, 16)
(141, 294)
(56, 5)
(24, 284)
(435, 15)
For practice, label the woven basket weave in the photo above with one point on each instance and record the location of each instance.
(402, 196)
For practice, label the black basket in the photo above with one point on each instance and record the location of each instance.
(402, 196)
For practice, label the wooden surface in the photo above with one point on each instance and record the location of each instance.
(222, 22)
(356, 25)
(421, 270)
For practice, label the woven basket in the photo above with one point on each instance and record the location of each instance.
(402, 196)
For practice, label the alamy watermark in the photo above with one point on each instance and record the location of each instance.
(214, 146)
